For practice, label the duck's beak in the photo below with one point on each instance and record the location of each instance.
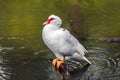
(44, 23)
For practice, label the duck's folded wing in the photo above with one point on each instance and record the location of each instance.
(75, 43)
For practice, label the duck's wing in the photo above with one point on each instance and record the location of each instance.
(69, 38)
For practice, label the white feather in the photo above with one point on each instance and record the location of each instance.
(61, 42)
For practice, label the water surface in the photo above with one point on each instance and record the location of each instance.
(24, 56)
(22, 63)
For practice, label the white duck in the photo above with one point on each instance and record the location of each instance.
(61, 42)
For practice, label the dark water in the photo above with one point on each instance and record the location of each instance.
(23, 55)
(22, 63)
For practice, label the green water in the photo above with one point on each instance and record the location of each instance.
(24, 56)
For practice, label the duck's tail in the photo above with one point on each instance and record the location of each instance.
(84, 58)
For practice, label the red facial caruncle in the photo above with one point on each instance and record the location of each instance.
(48, 21)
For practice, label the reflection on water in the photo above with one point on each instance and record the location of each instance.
(23, 63)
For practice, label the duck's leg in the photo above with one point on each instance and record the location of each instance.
(56, 62)
(59, 62)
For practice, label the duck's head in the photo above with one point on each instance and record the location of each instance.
(54, 20)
